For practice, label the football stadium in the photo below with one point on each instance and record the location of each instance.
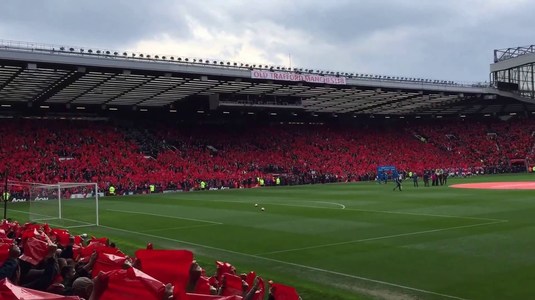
(165, 176)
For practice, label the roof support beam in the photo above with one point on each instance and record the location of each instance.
(59, 85)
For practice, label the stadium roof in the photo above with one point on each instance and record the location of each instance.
(509, 53)
(34, 75)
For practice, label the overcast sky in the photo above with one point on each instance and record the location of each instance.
(451, 40)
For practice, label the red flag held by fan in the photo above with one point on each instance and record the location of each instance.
(191, 296)
(4, 252)
(224, 267)
(35, 250)
(130, 284)
(232, 285)
(9, 291)
(284, 292)
(107, 262)
(168, 266)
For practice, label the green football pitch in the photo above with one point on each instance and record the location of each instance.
(342, 241)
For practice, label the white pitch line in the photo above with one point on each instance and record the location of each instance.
(380, 238)
(86, 224)
(361, 210)
(30, 213)
(177, 228)
(396, 212)
(290, 264)
(164, 216)
(427, 215)
(333, 203)
(50, 217)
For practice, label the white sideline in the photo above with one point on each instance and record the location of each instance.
(164, 216)
(289, 263)
(381, 238)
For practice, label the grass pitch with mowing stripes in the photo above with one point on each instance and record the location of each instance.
(345, 241)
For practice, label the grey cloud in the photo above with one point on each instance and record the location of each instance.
(88, 23)
(420, 38)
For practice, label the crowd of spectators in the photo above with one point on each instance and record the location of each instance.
(39, 259)
(175, 158)
(496, 145)
(38, 262)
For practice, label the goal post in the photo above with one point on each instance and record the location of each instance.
(65, 204)
(72, 194)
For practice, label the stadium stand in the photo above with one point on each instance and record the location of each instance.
(132, 159)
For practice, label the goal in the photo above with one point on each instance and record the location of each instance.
(64, 204)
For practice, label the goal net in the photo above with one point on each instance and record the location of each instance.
(63, 204)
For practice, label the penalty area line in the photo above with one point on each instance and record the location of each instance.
(288, 263)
